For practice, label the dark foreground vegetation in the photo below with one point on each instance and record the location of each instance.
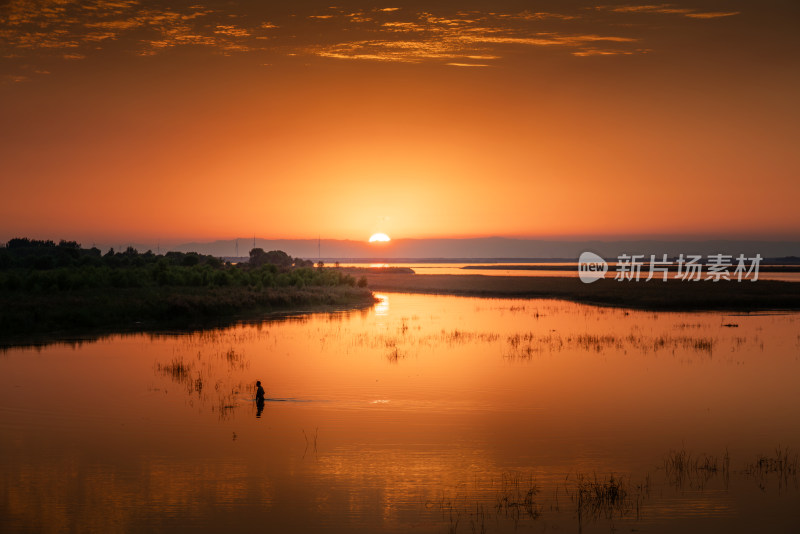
(654, 295)
(47, 287)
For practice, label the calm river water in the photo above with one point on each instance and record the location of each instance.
(422, 414)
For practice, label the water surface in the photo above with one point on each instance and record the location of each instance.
(423, 414)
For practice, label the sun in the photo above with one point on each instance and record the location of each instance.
(381, 238)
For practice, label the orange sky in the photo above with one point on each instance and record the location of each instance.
(130, 120)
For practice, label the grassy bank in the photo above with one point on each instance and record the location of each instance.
(655, 295)
(47, 289)
(159, 307)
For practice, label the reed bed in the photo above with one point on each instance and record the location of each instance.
(682, 468)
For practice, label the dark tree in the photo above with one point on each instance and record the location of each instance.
(258, 257)
(274, 257)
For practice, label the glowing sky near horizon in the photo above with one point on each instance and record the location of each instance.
(134, 120)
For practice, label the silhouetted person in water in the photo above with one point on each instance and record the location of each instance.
(259, 398)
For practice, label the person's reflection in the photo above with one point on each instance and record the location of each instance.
(259, 398)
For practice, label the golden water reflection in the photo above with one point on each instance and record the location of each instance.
(424, 414)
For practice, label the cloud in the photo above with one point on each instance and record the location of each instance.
(408, 51)
(15, 78)
(453, 64)
(459, 37)
(115, 24)
(588, 52)
(712, 15)
(359, 17)
(457, 46)
(668, 9)
(546, 39)
(541, 15)
(231, 31)
(662, 8)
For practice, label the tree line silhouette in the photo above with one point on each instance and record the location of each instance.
(44, 266)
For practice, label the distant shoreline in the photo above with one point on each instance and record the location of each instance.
(772, 268)
(673, 295)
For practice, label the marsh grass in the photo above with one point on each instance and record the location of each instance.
(178, 370)
(526, 345)
(234, 358)
(477, 521)
(782, 465)
(682, 469)
(516, 497)
(209, 369)
(394, 355)
(407, 338)
(460, 337)
(514, 502)
(184, 373)
(397, 346)
(608, 497)
(311, 442)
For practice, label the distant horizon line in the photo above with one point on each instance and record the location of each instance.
(667, 238)
(177, 242)
(488, 249)
(633, 239)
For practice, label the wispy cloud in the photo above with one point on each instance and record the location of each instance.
(15, 78)
(669, 9)
(588, 52)
(461, 36)
(539, 15)
(231, 31)
(406, 51)
(453, 64)
(712, 14)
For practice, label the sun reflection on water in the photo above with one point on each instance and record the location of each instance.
(382, 306)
